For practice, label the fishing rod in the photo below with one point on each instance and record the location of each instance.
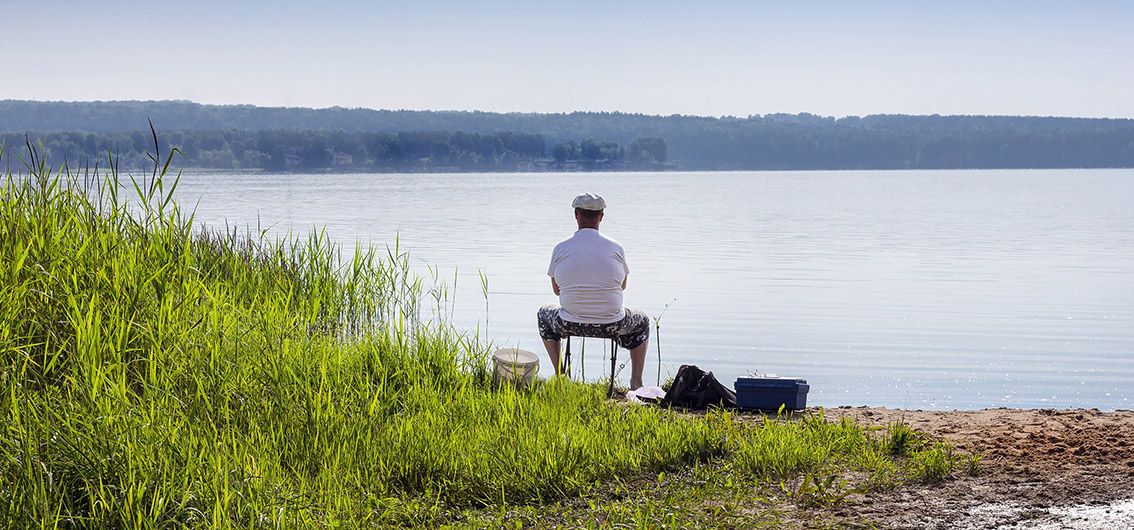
(657, 336)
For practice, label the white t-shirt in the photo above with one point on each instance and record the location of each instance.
(589, 269)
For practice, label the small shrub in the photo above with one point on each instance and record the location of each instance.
(827, 489)
(971, 464)
(933, 464)
(901, 439)
(884, 473)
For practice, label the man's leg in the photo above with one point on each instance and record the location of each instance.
(636, 329)
(548, 320)
(638, 363)
(552, 347)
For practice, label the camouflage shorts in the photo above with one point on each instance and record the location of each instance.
(630, 332)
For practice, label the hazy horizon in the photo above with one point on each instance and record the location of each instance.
(660, 115)
(1012, 58)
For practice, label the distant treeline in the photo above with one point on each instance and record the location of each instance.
(289, 150)
(773, 141)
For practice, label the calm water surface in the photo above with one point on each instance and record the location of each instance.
(920, 289)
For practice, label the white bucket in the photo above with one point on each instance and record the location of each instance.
(515, 365)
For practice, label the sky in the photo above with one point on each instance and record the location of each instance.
(1068, 58)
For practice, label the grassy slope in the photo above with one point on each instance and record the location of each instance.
(153, 375)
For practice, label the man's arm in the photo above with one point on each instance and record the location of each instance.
(625, 268)
(555, 286)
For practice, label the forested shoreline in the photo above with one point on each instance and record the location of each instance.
(246, 137)
(306, 150)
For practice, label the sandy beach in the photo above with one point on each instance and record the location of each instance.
(1067, 468)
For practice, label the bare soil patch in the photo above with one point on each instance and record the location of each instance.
(1069, 468)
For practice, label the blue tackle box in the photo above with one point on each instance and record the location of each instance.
(768, 393)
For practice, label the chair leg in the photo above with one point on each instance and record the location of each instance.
(565, 362)
(613, 363)
(583, 360)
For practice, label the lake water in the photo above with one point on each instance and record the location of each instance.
(917, 289)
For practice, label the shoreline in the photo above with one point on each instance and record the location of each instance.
(1019, 484)
(678, 170)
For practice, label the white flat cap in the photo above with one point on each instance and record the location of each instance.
(589, 201)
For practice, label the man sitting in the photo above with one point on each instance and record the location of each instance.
(588, 272)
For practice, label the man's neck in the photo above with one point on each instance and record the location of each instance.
(594, 227)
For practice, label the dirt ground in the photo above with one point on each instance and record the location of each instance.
(1068, 468)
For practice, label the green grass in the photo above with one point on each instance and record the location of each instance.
(155, 375)
(809, 457)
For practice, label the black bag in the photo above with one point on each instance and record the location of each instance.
(694, 388)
